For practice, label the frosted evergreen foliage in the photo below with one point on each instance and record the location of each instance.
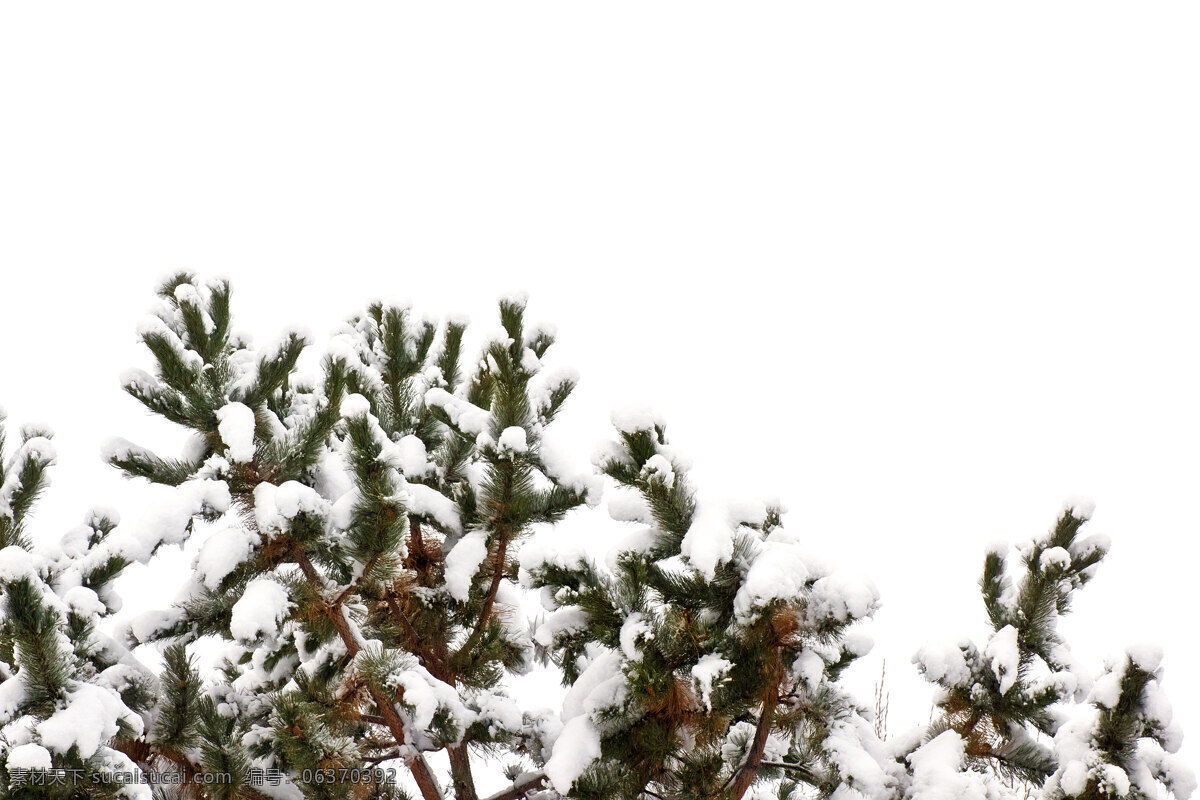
(69, 694)
(703, 657)
(381, 528)
(1024, 709)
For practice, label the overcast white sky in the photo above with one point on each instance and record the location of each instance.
(921, 270)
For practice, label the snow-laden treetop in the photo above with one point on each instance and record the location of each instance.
(378, 547)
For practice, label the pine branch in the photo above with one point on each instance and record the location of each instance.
(521, 787)
(175, 727)
(489, 600)
(144, 754)
(416, 764)
(744, 777)
(804, 773)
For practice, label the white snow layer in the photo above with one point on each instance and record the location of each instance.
(1004, 657)
(660, 469)
(355, 405)
(167, 518)
(262, 606)
(632, 419)
(469, 418)
(708, 673)
(778, 572)
(513, 440)
(409, 456)
(463, 561)
(28, 756)
(634, 631)
(275, 506)
(943, 663)
(16, 563)
(576, 748)
(1055, 558)
(88, 720)
(429, 502)
(222, 553)
(937, 771)
(601, 685)
(235, 423)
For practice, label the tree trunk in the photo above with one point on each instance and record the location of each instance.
(460, 772)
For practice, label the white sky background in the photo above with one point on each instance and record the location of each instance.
(920, 270)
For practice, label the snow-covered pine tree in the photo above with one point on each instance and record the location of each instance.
(366, 579)
(995, 697)
(1123, 743)
(1001, 706)
(71, 698)
(377, 547)
(374, 520)
(703, 658)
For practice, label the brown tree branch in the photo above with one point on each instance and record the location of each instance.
(521, 787)
(744, 777)
(416, 764)
(143, 753)
(489, 601)
(434, 656)
(353, 587)
(460, 772)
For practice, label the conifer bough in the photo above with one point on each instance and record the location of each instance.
(367, 535)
